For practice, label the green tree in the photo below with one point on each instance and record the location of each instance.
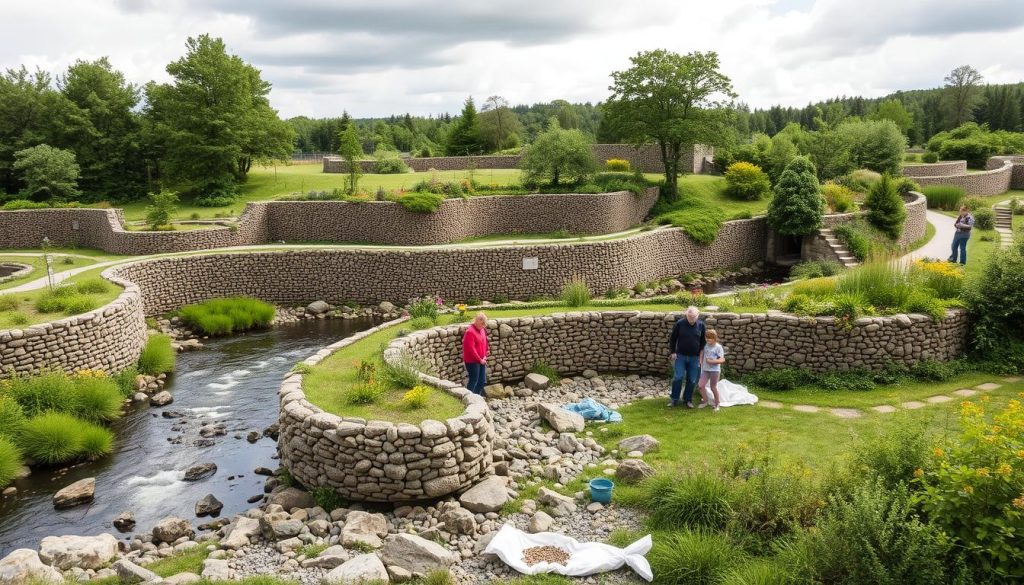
(464, 137)
(48, 173)
(875, 145)
(673, 100)
(29, 114)
(558, 156)
(103, 130)
(352, 151)
(797, 205)
(893, 110)
(213, 119)
(961, 95)
(885, 207)
(499, 125)
(163, 206)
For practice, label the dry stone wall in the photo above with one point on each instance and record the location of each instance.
(636, 342)
(914, 227)
(995, 181)
(109, 339)
(948, 167)
(646, 158)
(380, 461)
(1017, 177)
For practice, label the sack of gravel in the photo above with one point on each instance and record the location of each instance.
(548, 552)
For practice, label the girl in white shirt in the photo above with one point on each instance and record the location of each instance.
(711, 362)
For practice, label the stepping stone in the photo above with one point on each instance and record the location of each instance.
(988, 386)
(939, 399)
(965, 392)
(805, 408)
(1012, 380)
(913, 405)
(769, 404)
(884, 408)
(846, 412)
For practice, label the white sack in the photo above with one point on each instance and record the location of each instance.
(730, 394)
(586, 558)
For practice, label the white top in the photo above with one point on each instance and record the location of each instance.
(713, 351)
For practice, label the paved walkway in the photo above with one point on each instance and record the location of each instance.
(940, 245)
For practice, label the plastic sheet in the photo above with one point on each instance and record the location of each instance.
(591, 409)
(586, 558)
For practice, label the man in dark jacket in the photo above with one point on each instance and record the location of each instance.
(686, 346)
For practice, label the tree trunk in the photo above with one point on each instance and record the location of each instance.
(670, 160)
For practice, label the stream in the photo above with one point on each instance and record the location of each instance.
(233, 381)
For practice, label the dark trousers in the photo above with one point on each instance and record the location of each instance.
(477, 377)
(960, 245)
(685, 367)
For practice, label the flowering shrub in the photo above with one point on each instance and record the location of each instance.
(944, 278)
(425, 307)
(974, 486)
(617, 165)
(839, 198)
(417, 397)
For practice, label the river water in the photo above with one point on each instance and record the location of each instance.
(233, 381)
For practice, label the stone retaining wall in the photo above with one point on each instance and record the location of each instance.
(914, 227)
(22, 270)
(991, 182)
(109, 338)
(1017, 178)
(948, 167)
(633, 342)
(386, 223)
(646, 158)
(380, 461)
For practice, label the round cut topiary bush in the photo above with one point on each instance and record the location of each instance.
(746, 182)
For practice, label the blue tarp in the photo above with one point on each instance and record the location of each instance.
(591, 409)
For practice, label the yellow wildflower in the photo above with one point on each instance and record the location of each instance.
(918, 472)
(1019, 503)
(982, 471)
(1004, 469)
(968, 490)
(938, 452)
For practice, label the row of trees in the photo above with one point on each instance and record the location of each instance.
(106, 138)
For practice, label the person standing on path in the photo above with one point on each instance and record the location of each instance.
(686, 345)
(474, 353)
(964, 224)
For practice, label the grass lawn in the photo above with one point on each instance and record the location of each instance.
(893, 395)
(711, 190)
(59, 262)
(25, 313)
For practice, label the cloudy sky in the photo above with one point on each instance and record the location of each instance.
(380, 57)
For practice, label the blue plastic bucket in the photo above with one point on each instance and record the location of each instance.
(601, 490)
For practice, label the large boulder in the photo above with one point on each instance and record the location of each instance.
(561, 419)
(633, 471)
(560, 505)
(161, 398)
(317, 308)
(536, 382)
(80, 492)
(541, 522)
(291, 498)
(330, 558)
(200, 471)
(241, 531)
(641, 443)
(84, 552)
(172, 528)
(208, 506)
(216, 570)
(363, 527)
(128, 573)
(416, 554)
(361, 569)
(23, 566)
(487, 496)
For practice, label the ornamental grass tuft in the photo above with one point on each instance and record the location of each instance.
(227, 315)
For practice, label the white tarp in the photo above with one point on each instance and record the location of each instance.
(586, 558)
(730, 394)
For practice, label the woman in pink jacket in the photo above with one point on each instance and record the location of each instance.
(474, 353)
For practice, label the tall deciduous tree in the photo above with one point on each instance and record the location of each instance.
(894, 110)
(49, 174)
(499, 125)
(103, 130)
(213, 119)
(797, 206)
(673, 100)
(961, 95)
(557, 157)
(29, 108)
(351, 149)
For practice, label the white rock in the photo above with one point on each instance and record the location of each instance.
(86, 552)
(23, 565)
(216, 570)
(365, 568)
(488, 495)
(541, 522)
(364, 527)
(242, 530)
(560, 419)
(416, 554)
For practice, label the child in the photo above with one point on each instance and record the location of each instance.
(711, 367)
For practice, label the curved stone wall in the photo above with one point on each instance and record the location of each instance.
(385, 223)
(947, 167)
(1017, 178)
(21, 270)
(991, 182)
(109, 338)
(634, 342)
(379, 461)
(914, 227)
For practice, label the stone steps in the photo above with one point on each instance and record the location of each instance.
(846, 258)
(1004, 223)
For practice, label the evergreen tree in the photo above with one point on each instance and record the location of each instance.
(885, 207)
(797, 206)
(464, 137)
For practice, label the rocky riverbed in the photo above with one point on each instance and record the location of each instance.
(289, 535)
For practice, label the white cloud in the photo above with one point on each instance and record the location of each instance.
(389, 56)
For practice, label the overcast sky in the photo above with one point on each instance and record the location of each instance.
(380, 57)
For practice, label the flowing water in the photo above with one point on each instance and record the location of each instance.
(769, 275)
(233, 381)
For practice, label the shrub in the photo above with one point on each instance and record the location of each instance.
(995, 299)
(933, 371)
(797, 206)
(973, 204)
(421, 323)
(421, 202)
(404, 373)
(556, 157)
(99, 398)
(944, 279)
(91, 286)
(975, 151)
(12, 417)
(760, 572)
(227, 315)
(367, 370)
(19, 204)
(694, 500)
(693, 558)
(700, 223)
(47, 391)
(881, 283)
(839, 198)
(366, 393)
(904, 185)
(872, 537)
(18, 319)
(815, 269)
(617, 165)
(985, 219)
(760, 297)
(864, 179)
(417, 397)
(8, 302)
(125, 380)
(158, 356)
(925, 303)
(930, 157)
(328, 499)
(10, 461)
(545, 370)
(945, 197)
(885, 208)
(163, 205)
(816, 287)
(746, 182)
(575, 292)
(53, 437)
(891, 457)
(974, 490)
(96, 441)
(389, 162)
(65, 299)
(424, 307)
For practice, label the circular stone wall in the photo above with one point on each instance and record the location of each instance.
(12, 270)
(379, 461)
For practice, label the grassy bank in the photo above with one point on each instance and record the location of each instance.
(79, 294)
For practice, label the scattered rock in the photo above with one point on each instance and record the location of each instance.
(208, 506)
(216, 570)
(317, 308)
(23, 566)
(560, 419)
(496, 392)
(84, 552)
(128, 573)
(459, 520)
(213, 430)
(386, 307)
(241, 531)
(80, 492)
(125, 522)
(541, 522)
(536, 382)
(366, 568)
(417, 555)
(633, 471)
(330, 558)
(290, 498)
(171, 529)
(560, 505)
(363, 527)
(162, 398)
(200, 471)
(488, 495)
(641, 443)
(253, 436)
(182, 579)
